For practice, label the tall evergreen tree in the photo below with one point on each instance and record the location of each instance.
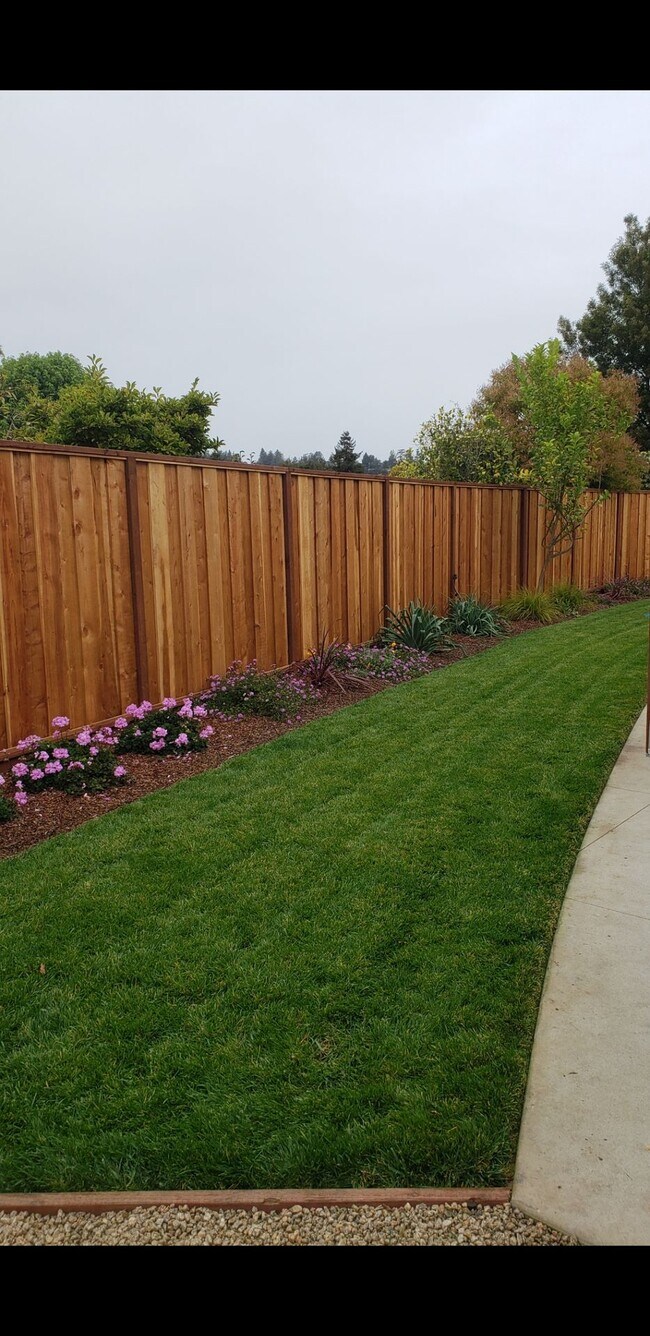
(346, 458)
(615, 328)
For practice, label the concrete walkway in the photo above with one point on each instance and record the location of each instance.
(583, 1163)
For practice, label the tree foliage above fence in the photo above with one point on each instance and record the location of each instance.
(495, 441)
(53, 398)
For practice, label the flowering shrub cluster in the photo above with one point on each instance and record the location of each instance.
(244, 691)
(623, 590)
(173, 729)
(83, 764)
(388, 663)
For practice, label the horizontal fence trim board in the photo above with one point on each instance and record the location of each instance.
(95, 1203)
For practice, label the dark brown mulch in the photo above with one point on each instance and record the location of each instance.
(52, 813)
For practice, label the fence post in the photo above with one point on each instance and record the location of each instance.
(293, 649)
(453, 543)
(137, 583)
(524, 530)
(387, 544)
(618, 542)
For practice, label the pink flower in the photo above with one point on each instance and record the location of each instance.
(207, 731)
(200, 711)
(61, 753)
(28, 742)
(169, 702)
(137, 732)
(157, 745)
(20, 769)
(84, 737)
(42, 756)
(132, 710)
(94, 751)
(53, 767)
(160, 732)
(121, 722)
(185, 711)
(74, 765)
(37, 773)
(2, 780)
(182, 740)
(119, 772)
(146, 706)
(60, 721)
(20, 798)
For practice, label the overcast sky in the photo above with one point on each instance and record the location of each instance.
(326, 261)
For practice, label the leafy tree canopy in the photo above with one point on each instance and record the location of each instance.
(92, 411)
(31, 376)
(615, 329)
(495, 441)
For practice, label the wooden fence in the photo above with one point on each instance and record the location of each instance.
(127, 576)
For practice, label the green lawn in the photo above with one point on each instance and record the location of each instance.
(320, 964)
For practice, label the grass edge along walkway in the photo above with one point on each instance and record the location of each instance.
(320, 964)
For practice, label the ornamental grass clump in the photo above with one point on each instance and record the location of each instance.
(570, 600)
(530, 605)
(85, 763)
(174, 729)
(246, 691)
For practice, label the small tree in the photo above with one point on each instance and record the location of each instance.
(346, 458)
(566, 416)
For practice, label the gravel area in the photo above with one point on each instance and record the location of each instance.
(336, 1226)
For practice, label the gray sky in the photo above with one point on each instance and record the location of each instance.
(326, 261)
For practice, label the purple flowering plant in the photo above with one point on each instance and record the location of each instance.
(245, 691)
(84, 763)
(176, 728)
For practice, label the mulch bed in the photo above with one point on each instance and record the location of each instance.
(52, 813)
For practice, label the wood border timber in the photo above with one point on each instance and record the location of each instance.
(49, 1203)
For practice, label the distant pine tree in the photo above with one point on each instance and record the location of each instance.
(271, 458)
(346, 458)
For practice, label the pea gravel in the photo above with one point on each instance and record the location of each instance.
(339, 1226)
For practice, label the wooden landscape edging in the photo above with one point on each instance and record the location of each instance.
(49, 1203)
(126, 575)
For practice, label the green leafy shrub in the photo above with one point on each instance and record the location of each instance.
(416, 627)
(8, 809)
(569, 599)
(467, 616)
(529, 605)
(244, 691)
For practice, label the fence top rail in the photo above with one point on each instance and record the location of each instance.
(205, 461)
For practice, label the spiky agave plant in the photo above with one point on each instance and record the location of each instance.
(416, 627)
